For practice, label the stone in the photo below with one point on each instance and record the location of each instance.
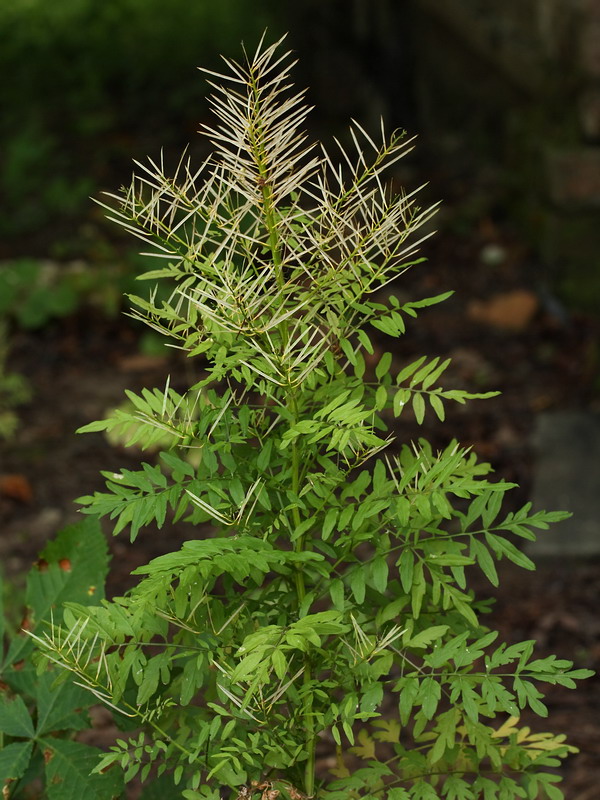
(567, 478)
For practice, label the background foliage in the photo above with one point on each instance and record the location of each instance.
(38, 718)
(91, 84)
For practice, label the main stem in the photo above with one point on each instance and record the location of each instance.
(270, 219)
(292, 404)
(299, 544)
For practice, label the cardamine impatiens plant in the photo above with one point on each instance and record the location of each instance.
(323, 606)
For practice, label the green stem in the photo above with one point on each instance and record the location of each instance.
(256, 138)
(270, 219)
(299, 546)
(267, 193)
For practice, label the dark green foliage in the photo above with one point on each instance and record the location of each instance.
(29, 294)
(327, 596)
(34, 292)
(14, 389)
(40, 711)
(86, 81)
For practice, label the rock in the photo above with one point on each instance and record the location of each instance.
(567, 477)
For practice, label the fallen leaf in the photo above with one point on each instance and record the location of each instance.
(510, 311)
(16, 487)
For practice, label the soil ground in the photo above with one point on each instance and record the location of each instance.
(502, 332)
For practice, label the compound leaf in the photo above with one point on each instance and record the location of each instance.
(14, 759)
(14, 718)
(68, 772)
(59, 707)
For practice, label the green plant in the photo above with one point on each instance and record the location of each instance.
(40, 714)
(325, 598)
(33, 291)
(14, 390)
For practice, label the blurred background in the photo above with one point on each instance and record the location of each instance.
(504, 97)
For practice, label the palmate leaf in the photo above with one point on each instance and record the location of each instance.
(14, 718)
(68, 772)
(72, 567)
(14, 759)
(60, 707)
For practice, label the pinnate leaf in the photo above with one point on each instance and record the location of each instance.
(418, 405)
(383, 367)
(357, 585)
(424, 638)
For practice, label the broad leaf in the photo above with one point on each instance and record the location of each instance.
(14, 718)
(72, 568)
(68, 772)
(59, 707)
(14, 759)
